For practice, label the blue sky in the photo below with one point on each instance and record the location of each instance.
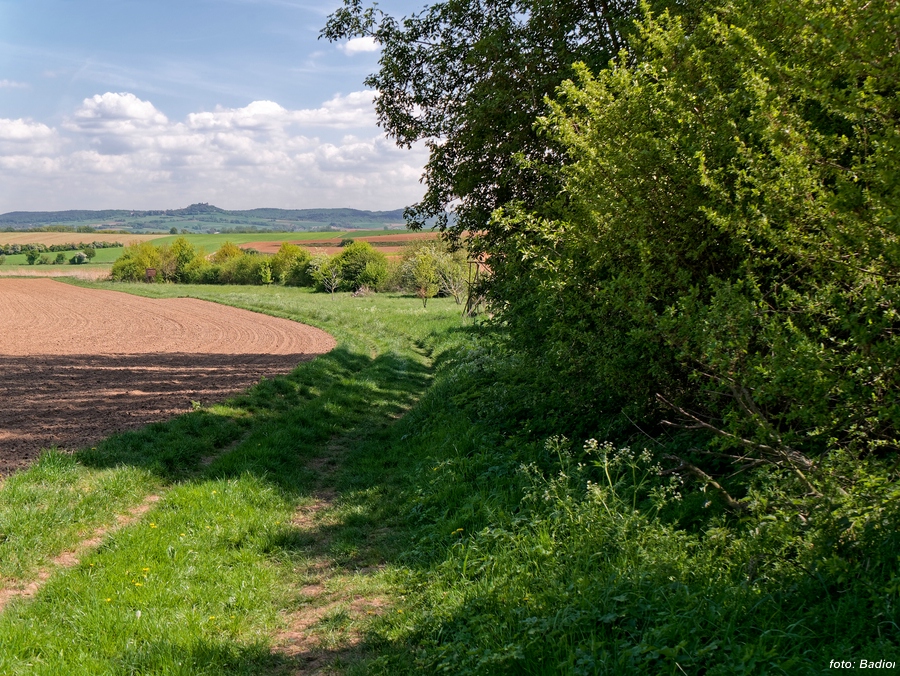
(158, 104)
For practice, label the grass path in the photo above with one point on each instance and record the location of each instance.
(256, 558)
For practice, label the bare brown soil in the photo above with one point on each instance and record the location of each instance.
(77, 365)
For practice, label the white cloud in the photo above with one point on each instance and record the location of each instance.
(27, 138)
(359, 45)
(11, 84)
(116, 150)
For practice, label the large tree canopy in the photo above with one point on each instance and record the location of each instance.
(702, 224)
(470, 77)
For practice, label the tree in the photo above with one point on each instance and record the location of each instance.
(419, 271)
(452, 272)
(327, 273)
(132, 265)
(32, 256)
(226, 252)
(469, 78)
(90, 252)
(361, 265)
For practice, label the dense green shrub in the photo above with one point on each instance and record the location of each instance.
(226, 252)
(198, 271)
(327, 272)
(546, 557)
(727, 262)
(300, 273)
(132, 265)
(431, 268)
(243, 269)
(289, 257)
(361, 265)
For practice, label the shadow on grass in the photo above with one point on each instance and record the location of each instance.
(76, 400)
(226, 658)
(277, 426)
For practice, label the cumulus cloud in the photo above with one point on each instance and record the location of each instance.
(359, 45)
(27, 138)
(118, 150)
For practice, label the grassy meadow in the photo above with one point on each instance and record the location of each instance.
(399, 506)
(205, 580)
(105, 256)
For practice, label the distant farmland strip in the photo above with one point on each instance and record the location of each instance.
(391, 245)
(50, 238)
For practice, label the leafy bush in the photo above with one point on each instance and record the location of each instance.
(226, 252)
(199, 270)
(132, 265)
(288, 258)
(243, 269)
(327, 272)
(698, 272)
(361, 265)
(560, 557)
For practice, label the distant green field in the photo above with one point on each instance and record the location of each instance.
(211, 243)
(103, 256)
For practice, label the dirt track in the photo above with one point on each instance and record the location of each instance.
(77, 365)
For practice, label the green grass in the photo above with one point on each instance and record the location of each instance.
(202, 582)
(392, 500)
(103, 256)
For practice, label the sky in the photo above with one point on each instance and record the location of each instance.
(158, 104)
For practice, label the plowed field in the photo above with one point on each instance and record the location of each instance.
(77, 365)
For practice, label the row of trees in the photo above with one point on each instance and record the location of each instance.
(426, 269)
(13, 249)
(78, 258)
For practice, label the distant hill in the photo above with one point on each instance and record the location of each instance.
(202, 217)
